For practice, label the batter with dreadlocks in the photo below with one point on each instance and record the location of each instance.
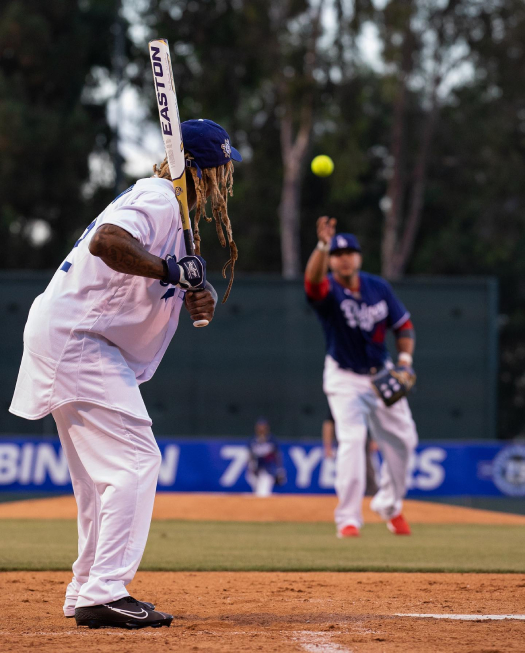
(215, 181)
(99, 330)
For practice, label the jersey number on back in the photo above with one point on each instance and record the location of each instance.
(67, 264)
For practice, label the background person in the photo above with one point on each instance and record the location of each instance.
(265, 467)
(355, 310)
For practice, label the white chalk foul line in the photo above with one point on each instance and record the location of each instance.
(318, 642)
(466, 617)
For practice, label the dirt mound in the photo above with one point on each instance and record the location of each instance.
(246, 507)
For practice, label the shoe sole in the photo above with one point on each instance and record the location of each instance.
(347, 537)
(394, 532)
(129, 625)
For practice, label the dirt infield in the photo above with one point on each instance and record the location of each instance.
(245, 507)
(314, 612)
(248, 612)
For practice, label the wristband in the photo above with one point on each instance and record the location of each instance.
(324, 247)
(405, 357)
(173, 274)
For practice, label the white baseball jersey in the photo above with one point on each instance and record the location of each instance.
(95, 334)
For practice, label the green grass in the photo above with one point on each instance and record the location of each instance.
(237, 546)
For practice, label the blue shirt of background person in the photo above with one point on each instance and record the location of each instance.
(264, 450)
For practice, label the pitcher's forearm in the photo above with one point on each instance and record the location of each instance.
(317, 266)
(405, 345)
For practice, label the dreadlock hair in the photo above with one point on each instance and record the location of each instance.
(219, 181)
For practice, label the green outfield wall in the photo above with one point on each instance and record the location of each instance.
(263, 355)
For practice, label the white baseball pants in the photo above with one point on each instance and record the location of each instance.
(262, 483)
(114, 462)
(356, 409)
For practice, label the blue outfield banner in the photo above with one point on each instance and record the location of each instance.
(437, 469)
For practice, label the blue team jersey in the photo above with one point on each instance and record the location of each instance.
(355, 328)
(265, 453)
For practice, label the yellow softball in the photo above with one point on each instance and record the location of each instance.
(322, 166)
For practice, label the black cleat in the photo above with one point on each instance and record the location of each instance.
(124, 613)
(145, 604)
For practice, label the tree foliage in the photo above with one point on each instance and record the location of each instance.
(428, 141)
(50, 53)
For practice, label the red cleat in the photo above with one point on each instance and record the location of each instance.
(398, 526)
(348, 531)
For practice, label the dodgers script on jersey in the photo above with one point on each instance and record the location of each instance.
(95, 334)
(355, 326)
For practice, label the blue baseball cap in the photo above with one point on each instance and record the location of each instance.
(208, 143)
(344, 241)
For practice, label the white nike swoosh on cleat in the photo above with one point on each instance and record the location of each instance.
(127, 613)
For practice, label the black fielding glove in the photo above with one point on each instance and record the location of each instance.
(392, 385)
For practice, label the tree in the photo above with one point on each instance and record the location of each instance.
(424, 45)
(296, 90)
(52, 57)
(253, 66)
(474, 216)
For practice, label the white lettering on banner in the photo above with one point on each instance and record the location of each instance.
(26, 463)
(305, 464)
(239, 455)
(327, 473)
(52, 463)
(169, 465)
(426, 472)
(8, 463)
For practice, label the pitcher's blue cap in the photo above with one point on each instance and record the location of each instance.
(344, 241)
(208, 143)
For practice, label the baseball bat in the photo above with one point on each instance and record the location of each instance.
(172, 135)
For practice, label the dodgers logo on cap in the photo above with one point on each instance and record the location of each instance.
(208, 144)
(226, 148)
(344, 241)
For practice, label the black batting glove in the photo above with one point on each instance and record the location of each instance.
(187, 273)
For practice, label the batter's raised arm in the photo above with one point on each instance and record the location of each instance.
(123, 253)
(317, 266)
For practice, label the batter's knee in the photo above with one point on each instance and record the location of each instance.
(150, 464)
(144, 469)
(156, 460)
